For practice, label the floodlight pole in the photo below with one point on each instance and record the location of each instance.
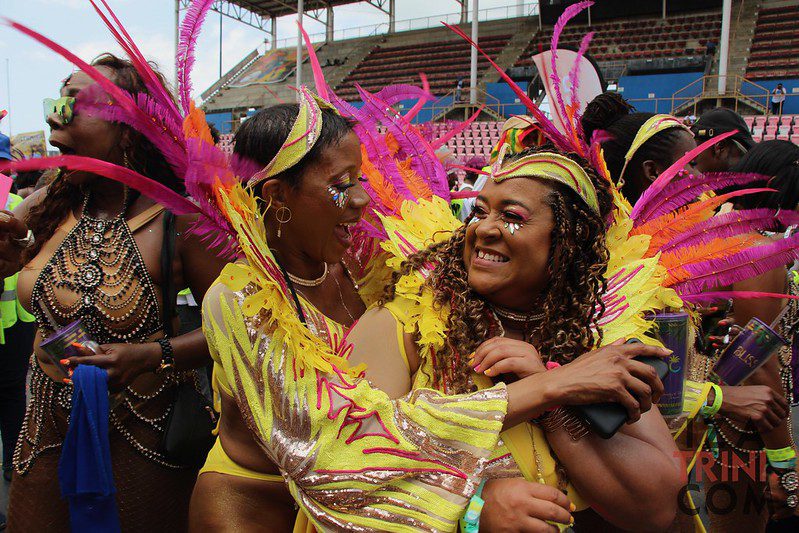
(298, 71)
(473, 70)
(724, 48)
(273, 31)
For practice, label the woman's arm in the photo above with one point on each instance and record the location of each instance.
(632, 483)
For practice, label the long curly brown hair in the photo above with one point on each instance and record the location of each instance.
(63, 197)
(578, 258)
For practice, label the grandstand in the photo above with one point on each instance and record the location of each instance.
(660, 64)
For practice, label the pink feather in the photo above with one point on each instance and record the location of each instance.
(715, 296)
(549, 129)
(724, 226)
(742, 265)
(410, 115)
(441, 141)
(680, 192)
(568, 14)
(94, 101)
(118, 95)
(318, 76)
(150, 188)
(151, 80)
(184, 62)
(652, 194)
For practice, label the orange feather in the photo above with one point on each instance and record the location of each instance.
(675, 261)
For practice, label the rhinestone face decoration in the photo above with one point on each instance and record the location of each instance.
(512, 227)
(339, 197)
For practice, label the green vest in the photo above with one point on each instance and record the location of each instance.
(10, 309)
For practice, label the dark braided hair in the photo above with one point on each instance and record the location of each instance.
(63, 197)
(610, 113)
(779, 160)
(572, 302)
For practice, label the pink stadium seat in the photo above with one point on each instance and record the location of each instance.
(750, 120)
(772, 121)
(795, 138)
(760, 121)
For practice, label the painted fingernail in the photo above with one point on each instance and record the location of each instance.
(571, 520)
(66, 381)
(477, 368)
(76, 345)
(70, 372)
(572, 507)
(489, 371)
(471, 361)
(714, 309)
(64, 362)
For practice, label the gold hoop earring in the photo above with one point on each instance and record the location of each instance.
(282, 218)
(125, 160)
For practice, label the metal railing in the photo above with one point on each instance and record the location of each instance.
(744, 93)
(490, 103)
(529, 9)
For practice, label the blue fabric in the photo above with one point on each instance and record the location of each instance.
(84, 471)
(5, 147)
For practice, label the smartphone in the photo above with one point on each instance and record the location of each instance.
(606, 418)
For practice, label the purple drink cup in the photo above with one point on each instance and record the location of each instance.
(672, 330)
(748, 352)
(59, 345)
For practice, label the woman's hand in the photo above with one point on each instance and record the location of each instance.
(11, 230)
(500, 355)
(123, 362)
(757, 404)
(609, 375)
(514, 505)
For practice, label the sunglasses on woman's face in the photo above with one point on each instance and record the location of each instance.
(64, 107)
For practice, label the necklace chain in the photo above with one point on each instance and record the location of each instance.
(517, 317)
(309, 282)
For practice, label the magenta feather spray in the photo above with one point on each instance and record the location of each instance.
(184, 61)
(739, 266)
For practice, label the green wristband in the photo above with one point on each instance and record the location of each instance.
(780, 455)
(710, 410)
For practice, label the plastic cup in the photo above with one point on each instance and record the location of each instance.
(748, 352)
(59, 345)
(672, 329)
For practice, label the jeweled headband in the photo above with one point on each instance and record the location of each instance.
(301, 139)
(548, 166)
(649, 129)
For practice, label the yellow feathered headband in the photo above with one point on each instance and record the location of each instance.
(549, 166)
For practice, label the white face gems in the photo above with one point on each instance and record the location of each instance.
(339, 197)
(512, 227)
(472, 220)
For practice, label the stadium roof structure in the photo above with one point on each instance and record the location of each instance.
(261, 14)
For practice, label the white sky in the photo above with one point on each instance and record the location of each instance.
(36, 72)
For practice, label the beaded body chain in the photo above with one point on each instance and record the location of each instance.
(115, 298)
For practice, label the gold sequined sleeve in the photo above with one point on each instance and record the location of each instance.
(353, 458)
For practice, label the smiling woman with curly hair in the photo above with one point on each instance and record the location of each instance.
(515, 291)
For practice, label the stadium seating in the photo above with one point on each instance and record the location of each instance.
(618, 40)
(785, 127)
(775, 44)
(444, 63)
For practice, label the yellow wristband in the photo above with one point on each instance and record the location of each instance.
(783, 454)
(710, 410)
